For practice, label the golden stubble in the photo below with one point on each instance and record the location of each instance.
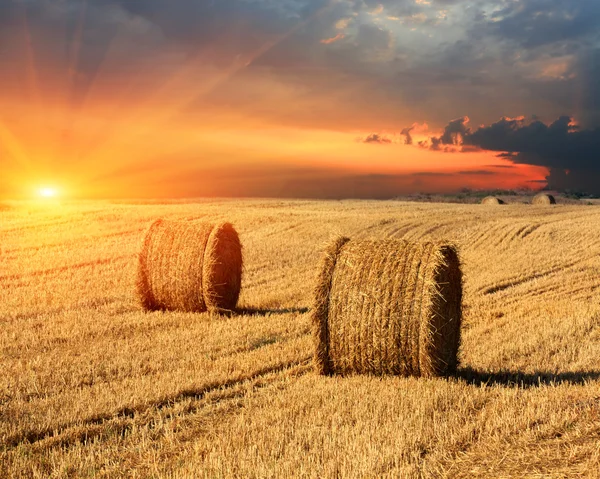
(92, 386)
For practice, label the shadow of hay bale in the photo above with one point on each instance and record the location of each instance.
(524, 380)
(266, 311)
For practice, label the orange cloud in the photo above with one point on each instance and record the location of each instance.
(327, 41)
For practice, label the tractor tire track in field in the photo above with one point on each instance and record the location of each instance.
(11, 253)
(393, 230)
(62, 269)
(126, 418)
(509, 234)
(482, 237)
(38, 226)
(522, 280)
(574, 293)
(220, 352)
(78, 306)
(494, 231)
(529, 230)
(282, 229)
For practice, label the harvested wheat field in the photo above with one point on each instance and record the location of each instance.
(91, 385)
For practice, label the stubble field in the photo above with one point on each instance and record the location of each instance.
(91, 386)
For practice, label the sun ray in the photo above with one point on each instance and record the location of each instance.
(30, 61)
(68, 75)
(12, 145)
(74, 44)
(169, 106)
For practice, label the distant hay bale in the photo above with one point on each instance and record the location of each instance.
(388, 307)
(190, 266)
(543, 199)
(492, 200)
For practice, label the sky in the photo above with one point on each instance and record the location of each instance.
(298, 98)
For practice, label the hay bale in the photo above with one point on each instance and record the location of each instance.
(190, 266)
(388, 307)
(492, 200)
(543, 199)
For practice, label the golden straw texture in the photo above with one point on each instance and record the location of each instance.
(388, 307)
(189, 266)
(543, 199)
(492, 200)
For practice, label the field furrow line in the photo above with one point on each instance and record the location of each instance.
(62, 269)
(127, 415)
(73, 243)
(494, 288)
(530, 230)
(222, 352)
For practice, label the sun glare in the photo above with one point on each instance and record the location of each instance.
(48, 192)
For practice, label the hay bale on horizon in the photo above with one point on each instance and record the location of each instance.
(492, 200)
(190, 266)
(388, 307)
(543, 199)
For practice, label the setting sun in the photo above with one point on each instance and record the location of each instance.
(47, 192)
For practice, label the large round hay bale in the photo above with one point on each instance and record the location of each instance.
(543, 199)
(492, 200)
(388, 307)
(190, 266)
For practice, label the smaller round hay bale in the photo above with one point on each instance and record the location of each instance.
(492, 200)
(543, 199)
(190, 266)
(388, 307)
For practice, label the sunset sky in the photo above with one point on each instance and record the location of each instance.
(297, 98)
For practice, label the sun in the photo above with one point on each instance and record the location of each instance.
(47, 192)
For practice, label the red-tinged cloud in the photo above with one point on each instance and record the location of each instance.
(327, 41)
(571, 154)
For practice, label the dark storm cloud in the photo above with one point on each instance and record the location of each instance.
(506, 155)
(560, 144)
(571, 154)
(408, 140)
(376, 138)
(587, 86)
(454, 131)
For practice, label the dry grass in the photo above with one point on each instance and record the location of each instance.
(492, 200)
(190, 266)
(543, 199)
(93, 387)
(388, 307)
